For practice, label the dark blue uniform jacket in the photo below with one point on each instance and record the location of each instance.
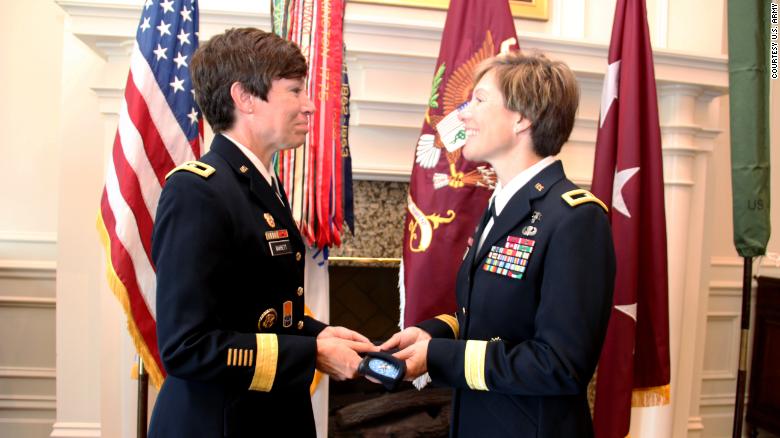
(238, 350)
(532, 316)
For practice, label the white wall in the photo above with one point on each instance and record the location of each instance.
(64, 64)
(30, 88)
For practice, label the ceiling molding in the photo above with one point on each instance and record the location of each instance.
(102, 25)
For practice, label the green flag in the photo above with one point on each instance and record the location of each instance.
(749, 105)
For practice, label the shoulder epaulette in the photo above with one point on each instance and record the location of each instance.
(196, 167)
(580, 196)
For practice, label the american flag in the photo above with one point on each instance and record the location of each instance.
(160, 127)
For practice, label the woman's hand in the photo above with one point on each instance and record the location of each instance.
(342, 333)
(416, 357)
(339, 357)
(405, 338)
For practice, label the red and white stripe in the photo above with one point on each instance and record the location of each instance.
(148, 144)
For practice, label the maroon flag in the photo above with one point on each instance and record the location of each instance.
(447, 194)
(628, 175)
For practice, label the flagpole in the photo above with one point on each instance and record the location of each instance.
(739, 404)
(748, 39)
(143, 391)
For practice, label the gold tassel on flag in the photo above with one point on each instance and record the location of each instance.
(652, 396)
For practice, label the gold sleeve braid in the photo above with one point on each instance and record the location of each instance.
(450, 321)
(265, 365)
(240, 357)
(474, 365)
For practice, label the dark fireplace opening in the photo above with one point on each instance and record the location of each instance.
(365, 298)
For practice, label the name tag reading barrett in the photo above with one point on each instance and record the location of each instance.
(280, 247)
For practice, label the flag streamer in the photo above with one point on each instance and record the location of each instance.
(318, 176)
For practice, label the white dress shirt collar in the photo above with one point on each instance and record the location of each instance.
(269, 174)
(502, 195)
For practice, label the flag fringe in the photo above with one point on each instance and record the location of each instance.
(401, 295)
(652, 396)
(315, 381)
(120, 292)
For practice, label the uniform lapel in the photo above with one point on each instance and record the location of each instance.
(470, 259)
(261, 191)
(519, 206)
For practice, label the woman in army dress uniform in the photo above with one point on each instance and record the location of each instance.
(239, 352)
(534, 291)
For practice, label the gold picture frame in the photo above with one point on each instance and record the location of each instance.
(532, 9)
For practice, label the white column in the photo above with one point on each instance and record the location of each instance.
(687, 143)
(80, 281)
(119, 390)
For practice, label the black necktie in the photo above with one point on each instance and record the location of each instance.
(489, 213)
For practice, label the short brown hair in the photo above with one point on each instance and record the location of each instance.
(249, 56)
(543, 91)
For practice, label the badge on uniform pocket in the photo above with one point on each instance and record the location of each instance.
(267, 319)
(269, 219)
(529, 230)
(280, 247)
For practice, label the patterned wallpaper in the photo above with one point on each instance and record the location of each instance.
(380, 209)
